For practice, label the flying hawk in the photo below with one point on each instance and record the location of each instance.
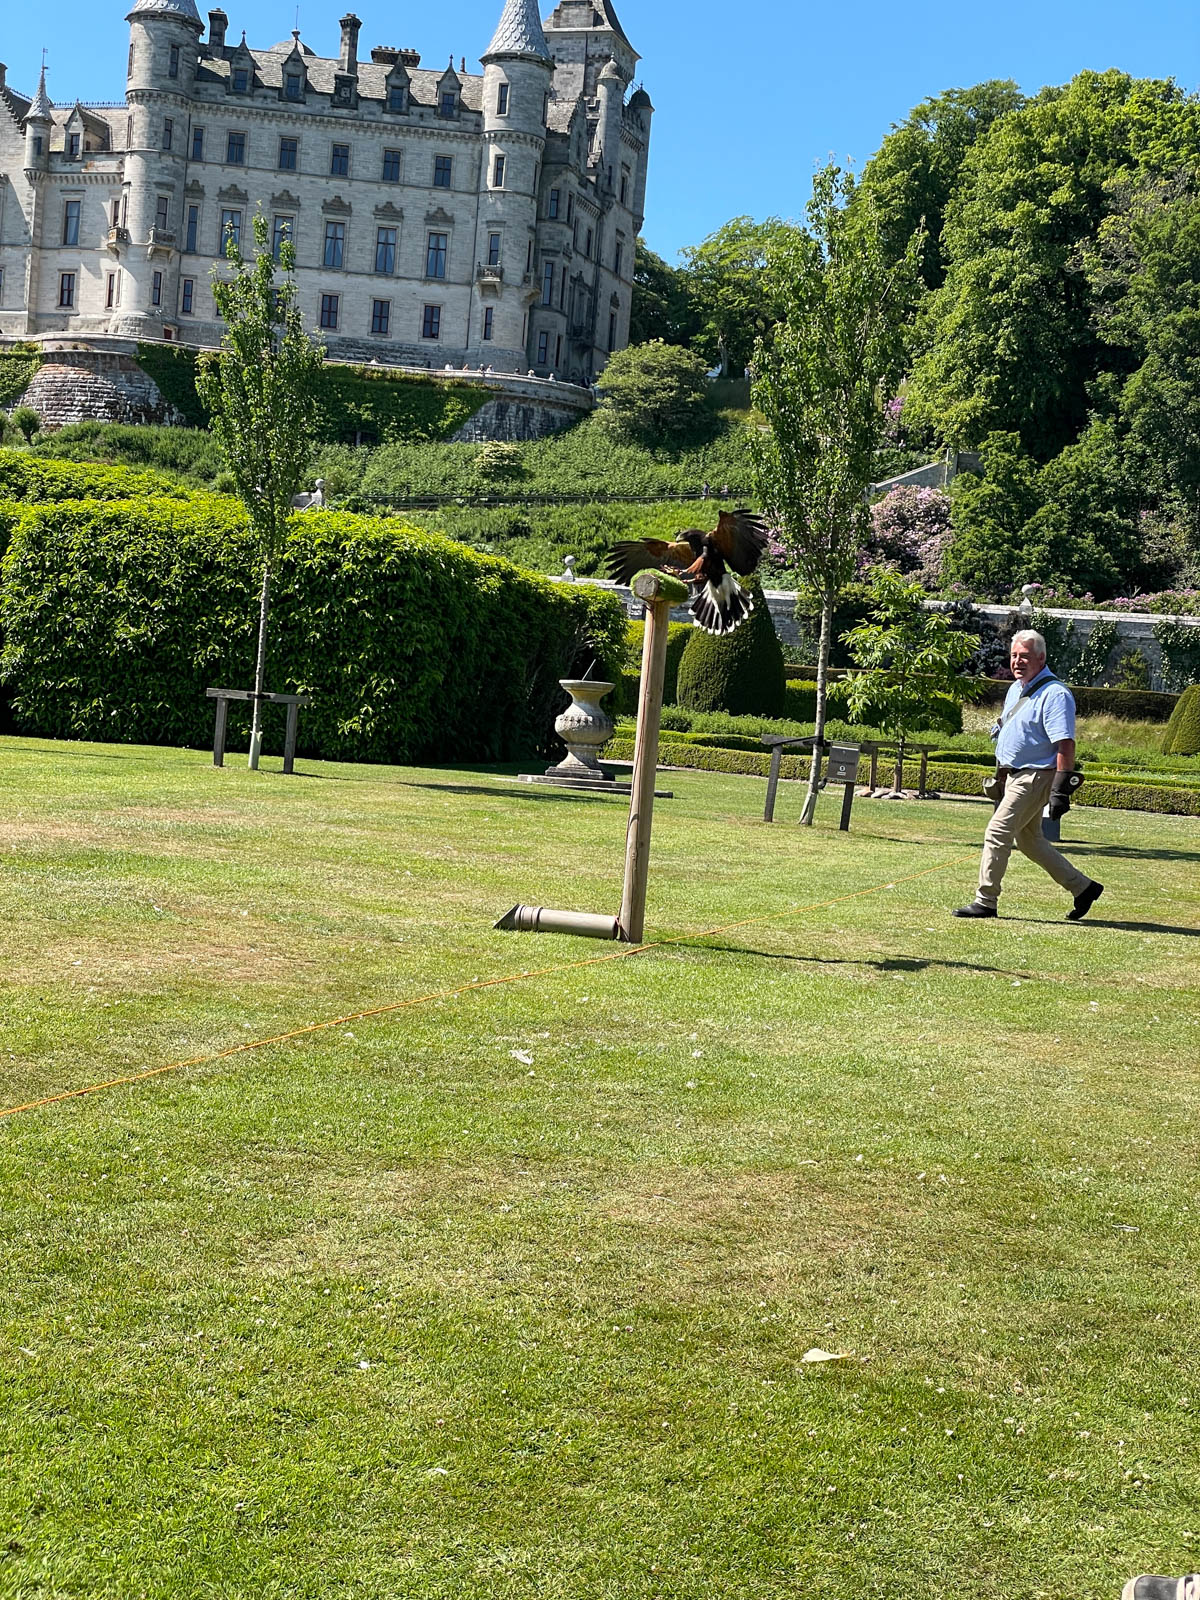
(719, 603)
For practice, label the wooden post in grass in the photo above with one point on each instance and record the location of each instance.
(660, 593)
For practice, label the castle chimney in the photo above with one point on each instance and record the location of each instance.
(3, 73)
(217, 23)
(348, 61)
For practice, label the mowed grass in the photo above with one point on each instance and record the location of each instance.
(506, 1294)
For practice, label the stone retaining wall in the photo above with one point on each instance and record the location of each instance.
(82, 383)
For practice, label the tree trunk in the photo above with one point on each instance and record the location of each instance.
(823, 649)
(260, 667)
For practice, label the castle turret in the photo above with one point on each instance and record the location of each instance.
(517, 72)
(38, 120)
(610, 91)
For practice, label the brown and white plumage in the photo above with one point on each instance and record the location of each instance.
(705, 560)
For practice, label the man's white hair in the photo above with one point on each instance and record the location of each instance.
(1031, 637)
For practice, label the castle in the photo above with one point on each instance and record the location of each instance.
(438, 217)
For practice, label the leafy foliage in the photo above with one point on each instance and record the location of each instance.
(118, 614)
(910, 530)
(18, 363)
(1182, 734)
(664, 302)
(1179, 643)
(731, 285)
(740, 672)
(653, 393)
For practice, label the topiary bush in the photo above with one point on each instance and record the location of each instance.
(741, 672)
(117, 615)
(1182, 734)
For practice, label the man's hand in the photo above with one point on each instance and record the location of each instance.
(1061, 790)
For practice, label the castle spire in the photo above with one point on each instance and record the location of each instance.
(41, 108)
(519, 33)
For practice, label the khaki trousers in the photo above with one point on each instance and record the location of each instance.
(1018, 821)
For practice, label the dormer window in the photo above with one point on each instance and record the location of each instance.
(448, 104)
(73, 147)
(398, 97)
(241, 80)
(502, 100)
(294, 86)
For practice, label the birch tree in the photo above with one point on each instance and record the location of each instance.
(260, 392)
(820, 380)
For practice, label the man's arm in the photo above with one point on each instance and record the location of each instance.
(1066, 755)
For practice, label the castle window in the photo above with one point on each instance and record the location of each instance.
(618, 256)
(543, 354)
(558, 351)
(129, 66)
(116, 213)
(498, 172)
(192, 229)
(187, 296)
(70, 231)
(381, 315)
(431, 322)
(168, 132)
(624, 184)
(493, 259)
(529, 256)
(570, 208)
(448, 104)
(397, 98)
(294, 86)
(235, 149)
(391, 166)
(502, 100)
(66, 290)
(197, 144)
(110, 291)
(489, 319)
(73, 146)
(587, 249)
(241, 79)
(435, 255)
(385, 250)
(339, 161)
(231, 230)
(562, 290)
(612, 330)
(335, 243)
(329, 310)
(442, 168)
(547, 283)
(156, 289)
(552, 204)
(162, 210)
(288, 149)
(173, 62)
(281, 231)
(37, 144)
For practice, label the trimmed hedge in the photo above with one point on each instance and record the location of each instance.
(118, 615)
(1132, 705)
(1182, 736)
(1105, 793)
(26, 477)
(678, 634)
(740, 672)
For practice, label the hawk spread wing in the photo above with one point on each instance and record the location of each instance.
(706, 560)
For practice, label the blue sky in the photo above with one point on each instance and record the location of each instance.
(749, 96)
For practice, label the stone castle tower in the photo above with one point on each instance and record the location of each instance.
(438, 217)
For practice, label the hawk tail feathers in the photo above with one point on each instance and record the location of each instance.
(720, 607)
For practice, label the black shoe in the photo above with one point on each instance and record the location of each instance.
(1085, 901)
(975, 909)
(1148, 1588)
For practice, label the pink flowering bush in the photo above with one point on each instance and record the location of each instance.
(910, 529)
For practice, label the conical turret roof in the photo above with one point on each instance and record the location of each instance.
(41, 108)
(182, 10)
(519, 33)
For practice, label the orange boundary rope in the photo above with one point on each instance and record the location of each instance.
(465, 988)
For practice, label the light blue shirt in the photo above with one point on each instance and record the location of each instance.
(1036, 717)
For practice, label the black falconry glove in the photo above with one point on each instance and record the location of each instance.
(1061, 790)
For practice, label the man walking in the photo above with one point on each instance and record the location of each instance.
(1035, 765)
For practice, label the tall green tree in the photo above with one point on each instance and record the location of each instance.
(260, 392)
(732, 289)
(916, 169)
(1011, 340)
(663, 305)
(820, 381)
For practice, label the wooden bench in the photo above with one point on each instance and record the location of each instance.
(293, 702)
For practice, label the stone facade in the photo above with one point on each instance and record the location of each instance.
(437, 216)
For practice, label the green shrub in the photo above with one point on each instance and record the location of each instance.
(1182, 735)
(1132, 705)
(499, 462)
(678, 634)
(173, 370)
(740, 672)
(118, 614)
(186, 453)
(653, 392)
(28, 477)
(18, 363)
(26, 421)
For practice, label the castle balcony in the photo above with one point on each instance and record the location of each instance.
(115, 238)
(160, 242)
(488, 278)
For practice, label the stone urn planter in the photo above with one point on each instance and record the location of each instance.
(584, 728)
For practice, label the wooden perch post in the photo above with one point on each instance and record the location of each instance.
(660, 593)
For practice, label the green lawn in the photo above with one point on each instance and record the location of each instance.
(505, 1295)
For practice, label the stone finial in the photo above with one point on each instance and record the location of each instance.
(41, 107)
